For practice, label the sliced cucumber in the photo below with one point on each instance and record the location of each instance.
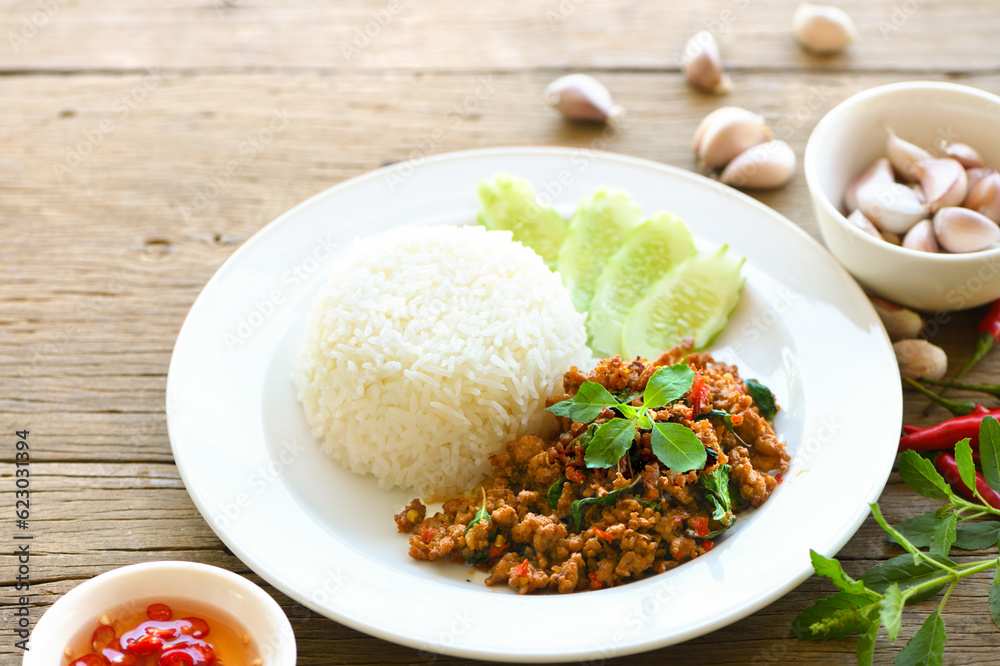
(508, 203)
(694, 299)
(648, 253)
(596, 231)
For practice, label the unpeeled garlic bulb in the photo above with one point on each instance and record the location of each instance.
(823, 29)
(702, 64)
(943, 181)
(964, 230)
(984, 198)
(582, 97)
(762, 167)
(727, 132)
(919, 358)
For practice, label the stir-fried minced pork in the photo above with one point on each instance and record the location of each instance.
(544, 525)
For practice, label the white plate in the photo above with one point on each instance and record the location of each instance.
(326, 538)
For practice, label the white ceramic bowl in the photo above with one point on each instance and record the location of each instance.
(79, 608)
(852, 136)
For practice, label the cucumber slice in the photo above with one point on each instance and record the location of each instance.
(508, 203)
(596, 231)
(694, 299)
(648, 253)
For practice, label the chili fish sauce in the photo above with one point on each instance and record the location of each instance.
(164, 633)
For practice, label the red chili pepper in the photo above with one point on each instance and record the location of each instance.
(607, 536)
(707, 545)
(497, 551)
(700, 525)
(521, 570)
(594, 583)
(779, 478)
(427, 534)
(697, 393)
(948, 467)
(944, 435)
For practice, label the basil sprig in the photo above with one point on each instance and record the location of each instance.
(481, 515)
(675, 445)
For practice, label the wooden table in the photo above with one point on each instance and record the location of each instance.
(135, 161)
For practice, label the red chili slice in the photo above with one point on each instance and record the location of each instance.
(144, 645)
(102, 637)
(521, 570)
(159, 612)
(198, 627)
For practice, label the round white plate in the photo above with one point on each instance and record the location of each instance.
(326, 537)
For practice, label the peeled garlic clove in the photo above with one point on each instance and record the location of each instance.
(879, 171)
(964, 230)
(823, 29)
(966, 155)
(984, 198)
(919, 358)
(900, 323)
(976, 174)
(921, 238)
(891, 206)
(702, 64)
(857, 219)
(762, 167)
(727, 132)
(582, 97)
(944, 182)
(905, 156)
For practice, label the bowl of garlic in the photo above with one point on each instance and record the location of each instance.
(904, 185)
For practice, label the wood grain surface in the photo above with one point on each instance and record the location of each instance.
(119, 198)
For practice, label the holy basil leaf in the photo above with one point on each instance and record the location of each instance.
(677, 447)
(891, 611)
(588, 403)
(865, 650)
(611, 441)
(716, 484)
(837, 616)
(480, 516)
(902, 570)
(927, 645)
(919, 474)
(966, 467)
(900, 539)
(555, 492)
(918, 529)
(667, 385)
(943, 536)
(577, 507)
(830, 568)
(989, 451)
(978, 535)
(763, 397)
(727, 418)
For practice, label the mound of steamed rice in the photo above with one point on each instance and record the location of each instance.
(430, 348)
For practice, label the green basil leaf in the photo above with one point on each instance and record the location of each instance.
(837, 616)
(865, 649)
(677, 447)
(902, 570)
(919, 473)
(727, 418)
(944, 535)
(643, 422)
(588, 403)
(926, 648)
(830, 568)
(717, 485)
(480, 516)
(611, 441)
(918, 529)
(900, 539)
(763, 397)
(555, 492)
(989, 451)
(977, 536)
(966, 468)
(667, 385)
(577, 507)
(890, 611)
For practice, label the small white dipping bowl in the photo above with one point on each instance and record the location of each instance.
(852, 136)
(79, 609)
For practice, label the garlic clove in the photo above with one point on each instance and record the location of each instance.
(984, 198)
(857, 219)
(727, 132)
(900, 323)
(891, 206)
(582, 97)
(976, 174)
(823, 29)
(919, 358)
(966, 155)
(921, 237)
(944, 182)
(763, 167)
(879, 171)
(702, 64)
(963, 230)
(904, 156)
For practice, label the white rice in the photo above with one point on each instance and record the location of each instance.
(429, 349)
